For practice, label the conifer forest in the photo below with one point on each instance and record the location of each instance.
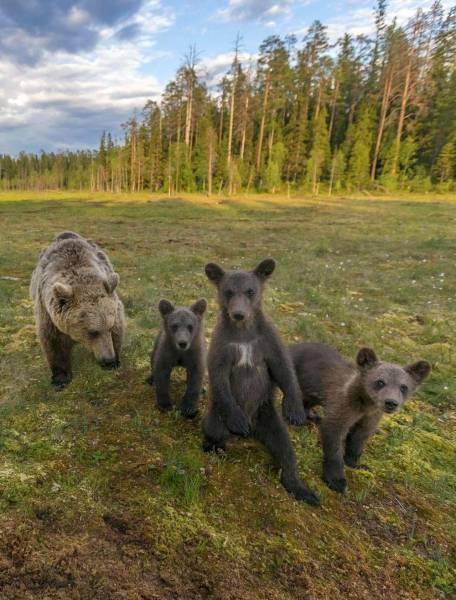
(365, 113)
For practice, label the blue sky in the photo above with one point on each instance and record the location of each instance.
(71, 68)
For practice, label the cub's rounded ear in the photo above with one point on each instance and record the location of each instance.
(366, 358)
(62, 291)
(419, 371)
(199, 308)
(165, 307)
(111, 282)
(214, 273)
(265, 269)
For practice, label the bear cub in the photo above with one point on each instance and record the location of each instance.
(246, 360)
(74, 291)
(180, 343)
(354, 398)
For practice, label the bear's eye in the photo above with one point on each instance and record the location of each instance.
(190, 328)
(228, 294)
(404, 388)
(379, 384)
(174, 328)
(93, 333)
(250, 293)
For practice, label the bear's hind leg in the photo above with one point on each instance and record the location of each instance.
(272, 432)
(333, 434)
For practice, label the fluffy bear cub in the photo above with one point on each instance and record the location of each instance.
(354, 399)
(180, 343)
(246, 359)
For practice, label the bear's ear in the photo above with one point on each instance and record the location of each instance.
(419, 371)
(111, 282)
(214, 273)
(366, 358)
(265, 269)
(62, 291)
(165, 307)
(199, 308)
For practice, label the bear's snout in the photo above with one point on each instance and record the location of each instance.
(391, 405)
(238, 316)
(108, 364)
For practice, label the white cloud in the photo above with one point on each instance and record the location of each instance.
(254, 10)
(66, 99)
(358, 19)
(213, 69)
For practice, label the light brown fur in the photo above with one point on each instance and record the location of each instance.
(73, 287)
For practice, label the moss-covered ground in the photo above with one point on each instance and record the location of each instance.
(103, 497)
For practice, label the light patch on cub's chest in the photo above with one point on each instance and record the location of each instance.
(245, 353)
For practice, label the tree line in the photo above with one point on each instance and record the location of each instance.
(366, 113)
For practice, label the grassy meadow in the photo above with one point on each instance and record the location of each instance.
(103, 497)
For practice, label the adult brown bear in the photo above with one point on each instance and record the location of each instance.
(73, 287)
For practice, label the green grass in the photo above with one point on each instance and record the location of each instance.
(102, 496)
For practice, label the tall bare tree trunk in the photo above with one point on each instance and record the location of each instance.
(333, 109)
(133, 163)
(244, 127)
(222, 107)
(318, 105)
(210, 160)
(400, 124)
(262, 123)
(331, 176)
(381, 125)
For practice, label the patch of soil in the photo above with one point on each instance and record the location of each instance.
(113, 561)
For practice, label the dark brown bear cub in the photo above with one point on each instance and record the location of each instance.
(354, 397)
(246, 359)
(180, 343)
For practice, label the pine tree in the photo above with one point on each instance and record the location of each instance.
(359, 141)
(320, 151)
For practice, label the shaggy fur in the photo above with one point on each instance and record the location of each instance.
(354, 398)
(73, 288)
(246, 359)
(180, 343)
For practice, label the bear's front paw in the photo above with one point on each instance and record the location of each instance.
(60, 378)
(354, 463)
(336, 484)
(238, 423)
(294, 412)
(164, 404)
(211, 446)
(189, 407)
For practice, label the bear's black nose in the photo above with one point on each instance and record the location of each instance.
(391, 405)
(182, 345)
(238, 316)
(108, 364)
